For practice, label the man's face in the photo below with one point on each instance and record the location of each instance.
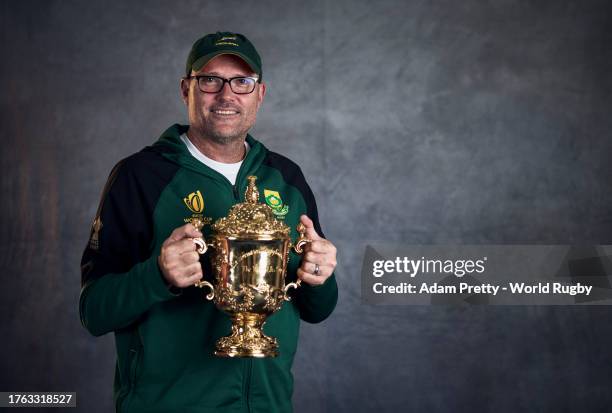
(225, 116)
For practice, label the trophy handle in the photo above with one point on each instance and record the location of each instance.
(298, 247)
(202, 246)
(301, 242)
(288, 286)
(202, 284)
(198, 223)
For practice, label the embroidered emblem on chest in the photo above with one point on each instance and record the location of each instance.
(195, 203)
(274, 201)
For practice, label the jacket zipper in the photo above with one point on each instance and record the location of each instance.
(247, 387)
(124, 400)
(249, 362)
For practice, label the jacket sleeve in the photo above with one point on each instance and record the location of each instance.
(315, 303)
(120, 278)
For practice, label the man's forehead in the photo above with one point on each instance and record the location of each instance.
(226, 62)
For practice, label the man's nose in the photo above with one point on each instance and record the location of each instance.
(226, 91)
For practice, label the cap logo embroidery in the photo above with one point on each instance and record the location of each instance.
(227, 41)
(220, 43)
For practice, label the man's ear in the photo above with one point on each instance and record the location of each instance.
(185, 83)
(260, 94)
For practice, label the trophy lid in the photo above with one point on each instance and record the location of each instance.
(250, 219)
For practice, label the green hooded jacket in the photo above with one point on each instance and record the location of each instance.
(165, 337)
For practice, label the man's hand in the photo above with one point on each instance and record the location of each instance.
(320, 255)
(178, 259)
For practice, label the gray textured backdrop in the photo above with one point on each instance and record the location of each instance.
(416, 121)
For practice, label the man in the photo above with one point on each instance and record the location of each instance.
(140, 264)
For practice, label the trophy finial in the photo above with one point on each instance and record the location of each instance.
(197, 223)
(301, 229)
(302, 240)
(252, 194)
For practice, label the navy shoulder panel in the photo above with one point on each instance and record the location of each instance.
(292, 174)
(151, 171)
(123, 227)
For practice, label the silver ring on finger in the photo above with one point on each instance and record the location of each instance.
(316, 269)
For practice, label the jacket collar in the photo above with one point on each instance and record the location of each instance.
(170, 146)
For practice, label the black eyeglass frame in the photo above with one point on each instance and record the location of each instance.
(224, 80)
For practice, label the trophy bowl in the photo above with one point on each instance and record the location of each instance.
(250, 252)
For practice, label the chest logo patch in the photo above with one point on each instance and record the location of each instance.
(274, 201)
(195, 202)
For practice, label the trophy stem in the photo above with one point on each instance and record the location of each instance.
(247, 338)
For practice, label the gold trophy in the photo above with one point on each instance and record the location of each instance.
(250, 252)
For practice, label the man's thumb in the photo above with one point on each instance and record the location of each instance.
(185, 231)
(310, 230)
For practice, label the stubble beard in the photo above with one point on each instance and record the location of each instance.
(237, 134)
(225, 139)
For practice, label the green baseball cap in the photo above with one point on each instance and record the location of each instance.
(211, 45)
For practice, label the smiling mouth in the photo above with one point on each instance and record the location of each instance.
(225, 112)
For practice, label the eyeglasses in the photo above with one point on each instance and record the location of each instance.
(213, 84)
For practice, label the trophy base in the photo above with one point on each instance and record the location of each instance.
(247, 338)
